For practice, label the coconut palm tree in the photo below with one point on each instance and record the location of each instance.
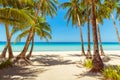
(97, 62)
(87, 18)
(75, 13)
(7, 17)
(108, 6)
(112, 6)
(7, 10)
(50, 10)
(42, 30)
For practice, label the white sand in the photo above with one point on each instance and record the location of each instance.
(56, 66)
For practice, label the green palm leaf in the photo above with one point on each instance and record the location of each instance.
(15, 17)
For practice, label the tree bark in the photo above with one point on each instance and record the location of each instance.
(8, 42)
(116, 29)
(3, 55)
(89, 49)
(82, 43)
(89, 56)
(32, 46)
(97, 62)
(100, 41)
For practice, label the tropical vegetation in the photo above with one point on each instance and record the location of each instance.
(88, 63)
(112, 73)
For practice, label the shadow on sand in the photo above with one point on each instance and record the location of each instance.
(19, 73)
(115, 55)
(51, 60)
(89, 74)
(75, 55)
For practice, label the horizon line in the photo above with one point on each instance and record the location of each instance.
(60, 42)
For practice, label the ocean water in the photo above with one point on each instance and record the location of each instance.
(59, 46)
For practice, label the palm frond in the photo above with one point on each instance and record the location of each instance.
(15, 17)
(48, 7)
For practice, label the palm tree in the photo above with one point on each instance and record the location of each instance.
(75, 13)
(97, 62)
(6, 16)
(44, 32)
(14, 19)
(87, 18)
(99, 20)
(108, 6)
(113, 6)
(42, 29)
(14, 30)
(50, 10)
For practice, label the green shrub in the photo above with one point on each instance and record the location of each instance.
(5, 64)
(112, 73)
(88, 63)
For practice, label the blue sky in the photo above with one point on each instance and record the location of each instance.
(62, 33)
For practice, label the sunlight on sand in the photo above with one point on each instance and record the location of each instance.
(56, 66)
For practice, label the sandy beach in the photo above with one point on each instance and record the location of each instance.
(55, 65)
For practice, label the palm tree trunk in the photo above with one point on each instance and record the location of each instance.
(97, 62)
(8, 42)
(3, 55)
(99, 39)
(116, 29)
(32, 46)
(89, 49)
(81, 37)
(23, 53)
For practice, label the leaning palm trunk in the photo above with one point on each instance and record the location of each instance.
(81, 37)
(29, 38)
(23, 53)
(97, 61)
(100, 41)
(3, 55)
(32, 46)
(116, 29)
(8, 42)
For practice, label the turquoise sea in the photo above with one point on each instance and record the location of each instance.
(59, 46)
